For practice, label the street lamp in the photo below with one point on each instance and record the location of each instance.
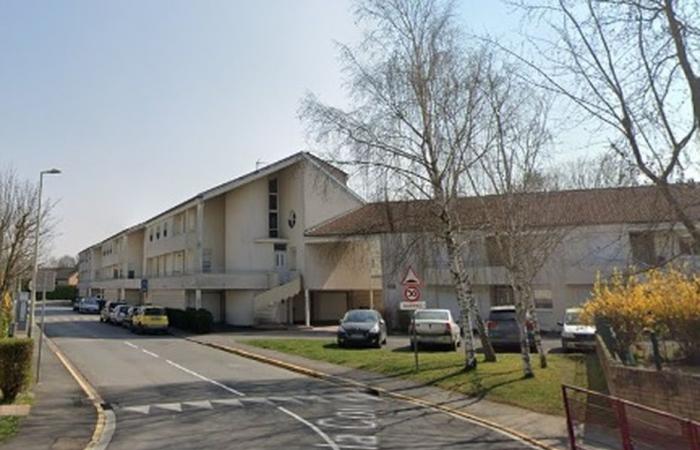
(36, 247)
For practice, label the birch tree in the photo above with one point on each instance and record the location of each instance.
(631, 68)
(522, 224)
(414, 118)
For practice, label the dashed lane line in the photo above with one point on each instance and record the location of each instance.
(203, 378)
(149, 353)
(130, 344)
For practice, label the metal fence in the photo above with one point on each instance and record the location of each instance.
(597, 421)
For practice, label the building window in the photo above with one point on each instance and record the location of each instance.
(494, 255)
(165, 229)
(206, 260)
(501, 296)
(158, 232)
(273, 208)
(280, 256)
(150, 234)
(643, 249)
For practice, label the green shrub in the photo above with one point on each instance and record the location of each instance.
(191, 319)
(63, 293)
(15, 366)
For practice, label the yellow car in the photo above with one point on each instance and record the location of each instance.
(149, 318)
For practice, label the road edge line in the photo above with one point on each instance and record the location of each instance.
(106, 424)
(406, 398)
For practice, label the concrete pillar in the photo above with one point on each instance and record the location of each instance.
(122, 294)
(371, 297)
(307, 308)
(199, 255)
(198, 298)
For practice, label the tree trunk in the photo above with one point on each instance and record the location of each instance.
(520, 317)
(463, 291)
(536, 331)
(487, 347)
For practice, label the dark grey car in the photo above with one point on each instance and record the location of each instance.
(502, 328)
(362, 327)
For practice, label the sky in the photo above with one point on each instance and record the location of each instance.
(144, 104)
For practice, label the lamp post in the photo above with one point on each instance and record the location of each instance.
(37, 231)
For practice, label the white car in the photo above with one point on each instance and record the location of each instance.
(576, 335)
(118, 314)
(434, 327)
(89, 306)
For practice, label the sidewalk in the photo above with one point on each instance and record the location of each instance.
(548, 429)
(61, 418)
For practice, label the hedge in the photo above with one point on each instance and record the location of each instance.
(196, 320)
(63, 293)
(15, 366)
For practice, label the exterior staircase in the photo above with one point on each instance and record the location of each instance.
(268, 306)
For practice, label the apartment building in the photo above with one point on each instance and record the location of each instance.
(240, 251)
(601, 230)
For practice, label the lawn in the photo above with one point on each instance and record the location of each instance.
(10, 424)
(501, 381)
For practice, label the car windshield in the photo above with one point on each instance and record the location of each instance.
(573, 318)
(123, 309)
(154, 312)
(360, 316)
(432, 315)
(502, 315)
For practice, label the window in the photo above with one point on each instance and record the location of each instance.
(494, 255)
(165, 229)
(280, 256)
(501, 296)
(158, 232)
(150, 234)
(543, 303)
(685, 246)
(273, 208)
(206, 260)
(643, 249)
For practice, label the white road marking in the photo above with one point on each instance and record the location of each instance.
(199, 404)
(139, 409)
(130, 344)
(202, 377)
(317, 430)
(169, 406)
(149, 353)
(228, 402)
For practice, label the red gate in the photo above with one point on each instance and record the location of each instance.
(599, 421)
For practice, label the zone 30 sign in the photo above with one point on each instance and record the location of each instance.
(411, 291)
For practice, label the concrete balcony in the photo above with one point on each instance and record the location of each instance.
(219, 280)
(171, 244)
(115, 283)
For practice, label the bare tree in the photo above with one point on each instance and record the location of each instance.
(631, 67)
(415, 120)
(522, 226)
(64, 262)
(18, 203)
(606, 170)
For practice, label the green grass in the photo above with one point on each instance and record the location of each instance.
(9, 425)
(501, 381)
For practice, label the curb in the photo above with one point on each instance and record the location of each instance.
(380, 391)
(106, 423)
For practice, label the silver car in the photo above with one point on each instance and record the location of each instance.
(118, 314)
(89, 306)
(434, 327)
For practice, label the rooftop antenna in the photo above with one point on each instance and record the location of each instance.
(259, 163)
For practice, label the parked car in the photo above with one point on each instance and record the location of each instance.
(118, 314)
(89, 306)
(434, 327)
(130, 312)
(76, 304)
(106, 311)
(576, 335)
(502, 328)
(149, 318)
(362, 326)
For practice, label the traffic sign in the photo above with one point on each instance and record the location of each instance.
(411, 278)
(411, 306)
(411, 293)
(45, 280)
(144, 285)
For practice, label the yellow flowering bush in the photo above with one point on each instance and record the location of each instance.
(666, 300)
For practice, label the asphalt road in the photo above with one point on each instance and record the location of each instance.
(168, 393)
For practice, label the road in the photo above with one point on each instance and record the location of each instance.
(168, 393)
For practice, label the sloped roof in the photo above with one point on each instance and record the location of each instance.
(635, 205)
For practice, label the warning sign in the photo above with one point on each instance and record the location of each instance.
(411, 278)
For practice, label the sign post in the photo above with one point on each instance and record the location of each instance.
(411, 295)
(46, 281)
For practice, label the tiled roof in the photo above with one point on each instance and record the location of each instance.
(635, 205)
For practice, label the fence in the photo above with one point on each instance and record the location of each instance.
(601, 422)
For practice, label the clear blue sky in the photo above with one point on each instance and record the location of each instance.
(144, 103)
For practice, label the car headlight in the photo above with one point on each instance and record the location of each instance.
(375, 328)
(341, 330)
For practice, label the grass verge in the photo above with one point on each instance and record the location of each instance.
(9, 425)
(501, 381)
